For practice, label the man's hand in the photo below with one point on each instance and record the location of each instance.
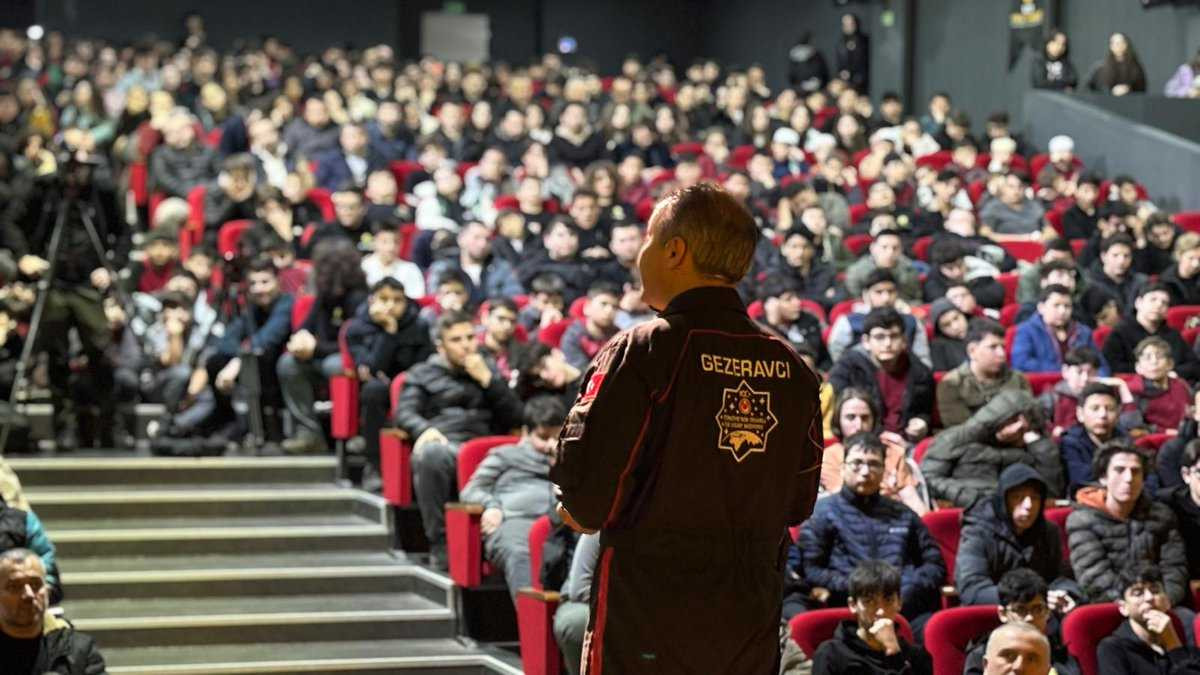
(570, 521)
(302, 345)
(550, 315)
(490, 520)
(916, 429)
(884, 630)
(380, 315)
(33, 266)
(478, 369)
(101, 279)
(228, 376)
(1162, 631)
(429, 436)
(197, 382)
(174, 326)
(1061, 602)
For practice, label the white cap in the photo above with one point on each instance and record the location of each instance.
(786, 135)
(1062, 143)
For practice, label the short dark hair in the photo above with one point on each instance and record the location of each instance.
(456, 276)
(867, 441)
(544, 411)
(1045, 269)
(890, 232)
(1082, 356)
(1098, 389)
(946, 254)
(261, 263)
(449, 320)
(1153, 287)
(1153, 342)
(872, 578)
(1118, 239)
(242, 162)
(776, 285)
(1191, 454)
(879, 276)
(980, 328)
(548, 283)
(1059, 244)
(718, 229)
(501, 302)
(390, 283)
(1089, 178)
(1106, 452)
(1140, 572)
(882, 317)
(603, 287)
(1053, 289)
(1020, 585)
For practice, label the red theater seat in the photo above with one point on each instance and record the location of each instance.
(464, 541)
(395, 455)
(1086, 626)
(810, 629)
(535, 612)
(950, 631)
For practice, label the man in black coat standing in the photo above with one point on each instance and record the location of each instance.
(694, 444)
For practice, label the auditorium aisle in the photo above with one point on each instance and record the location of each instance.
(241, 565)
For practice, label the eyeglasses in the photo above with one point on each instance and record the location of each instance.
(874, 466)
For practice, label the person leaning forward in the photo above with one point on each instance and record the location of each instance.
(693, 445)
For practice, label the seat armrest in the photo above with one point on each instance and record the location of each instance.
(464, 543)
(395, 466)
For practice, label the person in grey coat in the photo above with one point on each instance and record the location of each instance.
(513, 485)
(571, 617)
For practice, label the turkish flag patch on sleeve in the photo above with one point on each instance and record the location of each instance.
(593, 387)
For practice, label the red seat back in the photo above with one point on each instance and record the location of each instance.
(1010, 336)
(1042, 382)
(843, 307)
(1058, 516)
(1084, 628)
(1188, 220)
(857, 211)
(537, 540)
(950, 631)
(1152, 441)
(401, 170)
(945, 525)
(1179, 316)
(552, 334)
(1029, 251)
(344, 347)
(577, 307)
(936, 160)
(300, 309)
(810, 629)
(229, 236)
(1100, 334)
(323, 200)
(920, 248)
(1010, 283)
(473, 451)
(394, 392)
(755, 309)
(1008, 313)
(922, 448)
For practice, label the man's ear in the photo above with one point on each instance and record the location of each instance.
(676, 250)
(1122, 608)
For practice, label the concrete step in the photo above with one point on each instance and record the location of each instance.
(89, 472)
(379, 657)
(252, 619)
(224, 502)
(99, 587)
(183, 536)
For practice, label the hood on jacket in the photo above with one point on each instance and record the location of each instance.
(1014, 476)
(1006, 405)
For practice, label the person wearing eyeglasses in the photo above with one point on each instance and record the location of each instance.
(1149, 642)
(1024, 598)
(856, 524)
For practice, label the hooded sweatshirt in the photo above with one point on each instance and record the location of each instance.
(989, 545)
(515, 479)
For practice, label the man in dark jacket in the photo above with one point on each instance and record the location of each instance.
(513, 485)
(585, 338)
(964, 462)
(858, 524)
(1184, 500)
(1183, 278)
(870, 643)
(967, 388)
(1119, 527)
(1146, 644)
(881, 364)
(489, 275)
(1114, 271)
(1097, 412)
(452, 397)
(352, 161)
(261, 332)
(231, 196)
(559, 256)
(785, 316)
(33, 641)
(182, 162)
(1007, 532)
(1149, 319)
(1023, 598)
(948, 266)
(1170, 455)
(687, 584)
(386, 337)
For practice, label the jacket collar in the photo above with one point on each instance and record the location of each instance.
(705, 298)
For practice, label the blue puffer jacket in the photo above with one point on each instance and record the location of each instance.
(1035, 350)
(846, 529)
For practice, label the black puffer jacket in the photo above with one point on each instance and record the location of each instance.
(1102, 546)
(176, 171)
(389, 353)
(65, 651)
(438, 396)
(989, 547)
(964, 463)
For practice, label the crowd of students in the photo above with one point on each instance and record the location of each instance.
(993, 322)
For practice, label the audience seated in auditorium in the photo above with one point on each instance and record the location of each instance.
(32, 640)
(488, 275)
(1013, 215)
(560, 256)
(1149, 318)
(1079, 221)
(964, 462)
(1154, 254)
(857, 523)
(883, 365)
(1099, 408)
(1148, 643)
(1116, 526)
(453, 396)
(885, 253)
(856, 411)
(20, 528)
(948, 265)
(512, 484)
(312, 134)
(1043, 339)
(386, 337)
(182, 162)
(879, 291)
(1160, 400)
(871, 643)
(385, 261)
(784, 316)
(584, 339)
(1033, 277)
(1024, 598)
(350, 163)
(313, 354)
(349, 221)
(1007, 532)
(798, 261)
(984, 373)
(232, 195)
